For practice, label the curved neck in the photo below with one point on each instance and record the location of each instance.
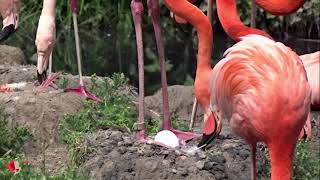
(195, 16)
(49, 7)
(231, 23)
(280, 7)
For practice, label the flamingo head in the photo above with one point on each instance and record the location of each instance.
(211, 127)
(44, 45)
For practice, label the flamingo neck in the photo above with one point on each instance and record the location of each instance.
(200, 22)
(281, 161)
(49, 7)
(283, 7)
(231, 23)
(195, 16)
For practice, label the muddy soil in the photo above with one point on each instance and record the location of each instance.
(112, 154)
(117, 155)
(11, 55)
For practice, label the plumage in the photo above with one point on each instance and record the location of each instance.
(46, 34)
(312, 65)
(261, 87)
(233, 26)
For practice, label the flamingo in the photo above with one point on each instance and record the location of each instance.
(245, 87)
(235, 29)
(189, 12)
(312, 65)
(154, 13)
(81, 90)
(253, 87)
(9, 10)
(45, 40)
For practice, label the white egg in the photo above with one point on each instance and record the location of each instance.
(168, 138)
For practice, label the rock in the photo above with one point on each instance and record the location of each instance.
(208, 165)
(192, 169)
(127, 141)
(200, 164)
(116, 136)
(11, 55)
(114, 154)
(182, 171)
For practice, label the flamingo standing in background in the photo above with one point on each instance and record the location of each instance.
(312, 65)
(81, 90)
(9, 10)
(252, 86)
(45, 40)
(154, 12)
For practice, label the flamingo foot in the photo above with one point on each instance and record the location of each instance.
(83, 92)
(185, 136)
(49, 81)
(141, 136)
(173, 138)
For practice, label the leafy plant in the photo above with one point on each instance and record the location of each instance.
(306, 165)
(12, 138)
(116, 109)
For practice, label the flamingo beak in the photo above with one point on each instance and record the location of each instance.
(42, 77)
(41, 68)
(6, 32)
(212, 128)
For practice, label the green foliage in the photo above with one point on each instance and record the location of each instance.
(115, 110)
(306, 163)
(11, 142)
(28, 171)
(12, 138)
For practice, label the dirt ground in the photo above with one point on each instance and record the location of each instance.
(115, 154)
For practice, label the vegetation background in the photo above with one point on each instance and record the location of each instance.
(108, 40)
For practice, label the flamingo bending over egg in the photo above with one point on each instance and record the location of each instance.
(235, 29)
(261, 87)
(251, 86)
(192, 14)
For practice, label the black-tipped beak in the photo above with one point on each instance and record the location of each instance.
(42, 77)
(206, 140)
(6, 32)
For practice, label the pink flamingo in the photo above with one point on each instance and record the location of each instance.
(253, 88)
(235, 29)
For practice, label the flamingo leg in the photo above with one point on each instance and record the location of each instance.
(137, 10)
(253, 14)
(193, 113)
(253, 161)
(80, 90)
(154, 12)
